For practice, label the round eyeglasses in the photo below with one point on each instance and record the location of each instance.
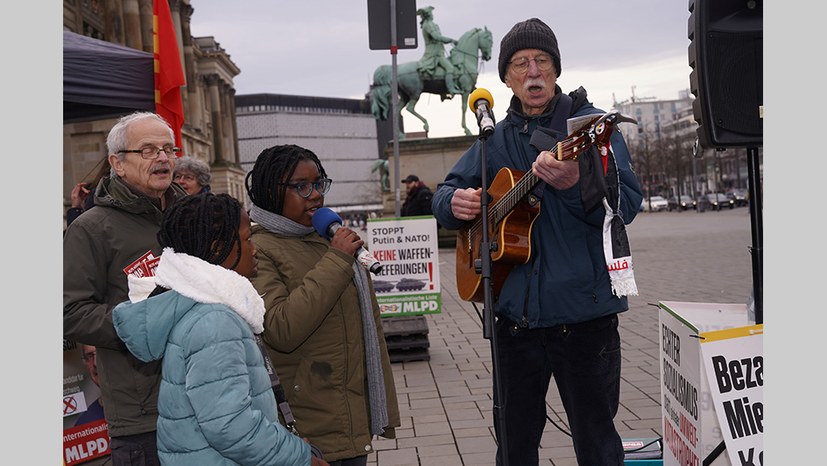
(152, 152)
(305, 189)
(520, 65)
(184, 177)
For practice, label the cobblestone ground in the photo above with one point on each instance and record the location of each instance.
(446, 401)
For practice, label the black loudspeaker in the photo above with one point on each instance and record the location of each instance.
(726, 56)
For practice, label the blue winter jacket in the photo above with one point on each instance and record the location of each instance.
(216, 404)
(566, 279)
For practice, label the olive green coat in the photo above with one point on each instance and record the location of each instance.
(96, 247)
(313, 329)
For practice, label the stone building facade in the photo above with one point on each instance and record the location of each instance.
(341, 132)
(209, 131)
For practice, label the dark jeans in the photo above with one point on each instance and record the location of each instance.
(135, 450)
(584, 359)
(358, 461)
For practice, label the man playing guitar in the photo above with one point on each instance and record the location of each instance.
(563, 270)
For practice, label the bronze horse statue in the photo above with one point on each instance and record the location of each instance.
(464, 56)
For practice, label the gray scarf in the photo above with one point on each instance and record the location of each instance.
(376, 381)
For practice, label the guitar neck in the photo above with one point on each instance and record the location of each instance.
(597, 131)
(501, 208)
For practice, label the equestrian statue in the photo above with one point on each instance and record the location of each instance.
(433, 73)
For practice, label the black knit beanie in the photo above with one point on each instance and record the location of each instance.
(529, 34)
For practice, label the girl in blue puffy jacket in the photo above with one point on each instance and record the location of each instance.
(216, 404)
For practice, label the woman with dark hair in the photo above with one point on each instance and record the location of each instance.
(322, 324)
(216, 404)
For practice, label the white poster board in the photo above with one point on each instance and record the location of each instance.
(734, 364)
(680, 391)
(407, 248)
(691, 431)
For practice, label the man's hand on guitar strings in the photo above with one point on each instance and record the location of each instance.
(466, 203)
(559, 174)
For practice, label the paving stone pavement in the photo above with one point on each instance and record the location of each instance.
(445, 403)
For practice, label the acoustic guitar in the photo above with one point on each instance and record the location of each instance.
(513, 210)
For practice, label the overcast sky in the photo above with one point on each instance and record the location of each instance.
(321, 48)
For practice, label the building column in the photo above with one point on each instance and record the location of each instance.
(227, 124)
(132, 24)
(113, 22)
(145, 12)
(190, 93)
(196, 102)
(213, 83)
(234, 125)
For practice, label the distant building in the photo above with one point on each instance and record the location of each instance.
(661, 145)
(651, 115)
(342, 133)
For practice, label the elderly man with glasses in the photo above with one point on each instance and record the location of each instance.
(558, 303)
(100, 248)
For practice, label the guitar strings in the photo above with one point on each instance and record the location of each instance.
(527, 182)
(521, 188)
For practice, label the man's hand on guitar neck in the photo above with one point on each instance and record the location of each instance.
(466, 203)
(559, 174)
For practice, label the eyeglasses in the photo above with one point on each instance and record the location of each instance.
(306, 189)
(520, 65)
(184, 177)
(88, 357)
(152, 152)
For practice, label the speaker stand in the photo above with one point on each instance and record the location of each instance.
(755, 212)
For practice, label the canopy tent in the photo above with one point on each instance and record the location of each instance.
(102, 79)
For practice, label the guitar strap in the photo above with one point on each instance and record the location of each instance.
(593, 186)
(545, 138)
(560, 113)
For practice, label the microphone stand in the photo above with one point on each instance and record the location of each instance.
(484, 267)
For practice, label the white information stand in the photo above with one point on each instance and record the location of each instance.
(691, 418)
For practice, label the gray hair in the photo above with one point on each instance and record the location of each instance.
(117, 139)
(197, 167)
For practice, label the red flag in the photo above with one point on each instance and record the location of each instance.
(169, 75)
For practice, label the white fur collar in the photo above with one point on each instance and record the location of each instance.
(209, 283)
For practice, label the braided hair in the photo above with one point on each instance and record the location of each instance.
(273, 166)
(203, 225)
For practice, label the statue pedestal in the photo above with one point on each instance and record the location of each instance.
(428, 158)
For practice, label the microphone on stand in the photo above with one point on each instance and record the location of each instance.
(481, 102)
(326, 222)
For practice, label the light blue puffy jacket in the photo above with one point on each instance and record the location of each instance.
(216, 405)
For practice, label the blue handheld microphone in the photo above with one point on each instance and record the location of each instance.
(326, 222)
